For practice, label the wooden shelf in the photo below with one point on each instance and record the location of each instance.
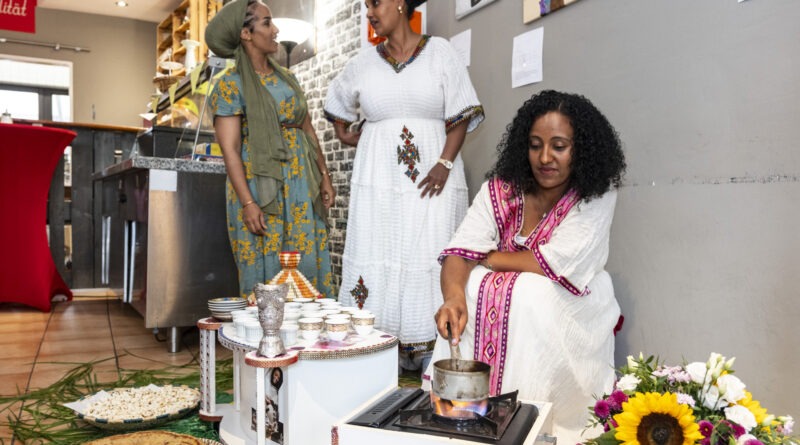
(175, 28)
(164, 45)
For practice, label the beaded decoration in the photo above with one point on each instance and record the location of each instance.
(360, 293)
(408, 154)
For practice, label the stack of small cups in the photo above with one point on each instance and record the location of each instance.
(337, 323)
(289, 328)
(245, 321)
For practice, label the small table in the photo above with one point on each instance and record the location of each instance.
(296, 398)
(28, 158)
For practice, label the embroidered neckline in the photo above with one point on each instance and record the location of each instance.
(399, 66)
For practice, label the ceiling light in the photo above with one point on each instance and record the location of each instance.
(121, 3)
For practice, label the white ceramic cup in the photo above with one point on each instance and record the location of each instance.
(303, 300)
(326, 300)
(310, 327)
(253, 331)
(339, 316)
(238, 324)
(311, 307)
(337, 328)
(292, 305)
(244, 313)
(311, 314)
(363, 323)
(326, 312)
(289, 334)
(292, 315)
(349, 309)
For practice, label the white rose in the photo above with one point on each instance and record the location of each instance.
(742, 416)
(697, 371)
(729, 364)
(628, 382)
(632, 363)
(710, 397)
(742, 440)
(730, 388)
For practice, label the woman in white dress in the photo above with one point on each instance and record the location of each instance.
(408, 192)
(523, 278)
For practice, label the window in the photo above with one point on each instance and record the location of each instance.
(36, 88)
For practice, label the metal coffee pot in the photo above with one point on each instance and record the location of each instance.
(270, 299)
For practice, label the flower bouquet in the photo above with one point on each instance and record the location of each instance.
(654, 404)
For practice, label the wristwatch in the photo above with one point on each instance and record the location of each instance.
(447, 164)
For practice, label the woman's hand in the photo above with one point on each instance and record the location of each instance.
(327, 191)
(433, 184)
(454, 312)
(350, 137)
(253, 219)
(344, 134)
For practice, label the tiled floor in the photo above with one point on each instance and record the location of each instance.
(37, 347)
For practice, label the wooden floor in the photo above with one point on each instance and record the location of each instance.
(38, 347)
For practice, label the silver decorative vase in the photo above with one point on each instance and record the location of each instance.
(270, 299)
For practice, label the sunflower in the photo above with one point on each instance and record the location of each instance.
(759, 412)
(656, 419)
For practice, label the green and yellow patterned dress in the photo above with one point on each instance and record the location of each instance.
(296, 227)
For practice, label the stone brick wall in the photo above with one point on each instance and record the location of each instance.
(338, 40)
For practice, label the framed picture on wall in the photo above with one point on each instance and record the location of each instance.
(534, 9)
(466, 7)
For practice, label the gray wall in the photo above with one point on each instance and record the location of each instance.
(115, 77)
(705, 95)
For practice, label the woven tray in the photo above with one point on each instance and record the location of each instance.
(131, 424)
(146, 438)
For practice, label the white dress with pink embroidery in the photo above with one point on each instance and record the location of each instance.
(549, 336)
(393, 235)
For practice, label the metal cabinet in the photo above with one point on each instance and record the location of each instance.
(165, 242)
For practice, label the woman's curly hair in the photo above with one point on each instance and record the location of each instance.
(597, 159)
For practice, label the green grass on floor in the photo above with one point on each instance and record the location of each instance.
(410, 378)
(44, 420)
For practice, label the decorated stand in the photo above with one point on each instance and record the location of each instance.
(296, 397)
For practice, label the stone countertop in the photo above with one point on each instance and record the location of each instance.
(150, 163)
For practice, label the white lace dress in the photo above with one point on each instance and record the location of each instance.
(393, 235)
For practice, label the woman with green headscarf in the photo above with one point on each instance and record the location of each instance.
(279, 188)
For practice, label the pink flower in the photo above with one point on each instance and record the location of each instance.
(601, 409)
(738, 430)
(706, 428)
(616, 399)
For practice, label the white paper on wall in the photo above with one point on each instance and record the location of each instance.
(526, 58)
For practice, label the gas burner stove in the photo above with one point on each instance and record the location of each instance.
(507, 421)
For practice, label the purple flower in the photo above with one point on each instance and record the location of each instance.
(706, 428)
(601, 409)
(738, 430)
(705, 441)
(753, 441)
(616, 399)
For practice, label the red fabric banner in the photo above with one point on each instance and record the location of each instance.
(18, 15)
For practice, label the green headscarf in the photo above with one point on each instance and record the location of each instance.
(268, 149)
